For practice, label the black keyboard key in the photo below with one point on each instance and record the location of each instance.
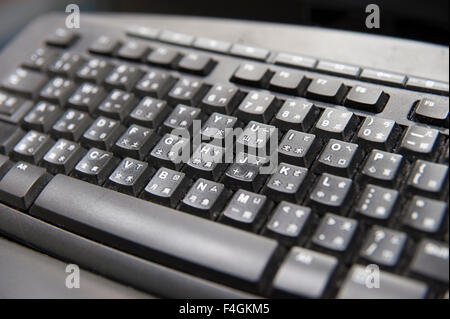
(42, 117)
(167, 187)
(9, 136)
(143, 32)
(382, 167)
(252, 75)
(63, 157)
(164, 57)
(379, 133)
(425, 214)
(427, 85)
(176, 38)
(130, 177)
(132, 50)
(287, 183)
(40, 59)
(123, 77)
(419, 141)
(297, 61)
(187, 91)
(246, 210)
(207, 161)
(258, 106)
(432, 111)
(104, 45)
(94, 70)
(103, 133)
(383, 77)
(297, 114)
(155, 84)
(428, 177)
(331, 192)
(149, 112)
(334, 123)
(136, 142)
(335, 233)
(243, 175)
(389, 286)
(197, 64)
(211, 45)
(383, 246)
(298, 148)
(172, 151)
(72, 202)
(96, 166)
(289, 82)
(32, 147)
(221, 98)
(24, 82)
(67, 64)
(431, 260)
(366, 98)
(304, 273)
(287, 222)
(339, 158)
(9, 104)
(338, 68)
(218, 128)
(247, 51)
(205, 198)
(62, 38)
(58, 90)
(71, 125)
(87, 97)
(182, 118)
(258, 139)
(377, 202)
(326, 90)
(22, 184)
(117, 105)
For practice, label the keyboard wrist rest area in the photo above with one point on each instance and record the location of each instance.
(122, 267)
(155, 232)
(37, 271)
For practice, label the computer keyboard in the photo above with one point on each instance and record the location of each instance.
(356, 166)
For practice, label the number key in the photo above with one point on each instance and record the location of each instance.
(295, 114)
(335, 123)
(377, 133)
(258, 106)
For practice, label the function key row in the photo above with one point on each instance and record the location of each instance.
(294, 60)
(159, 56)
(296, 83)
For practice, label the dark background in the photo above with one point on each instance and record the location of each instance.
(425, 20)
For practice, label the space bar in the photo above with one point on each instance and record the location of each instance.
(155, 232)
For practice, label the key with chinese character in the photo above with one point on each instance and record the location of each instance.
(246, 210)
